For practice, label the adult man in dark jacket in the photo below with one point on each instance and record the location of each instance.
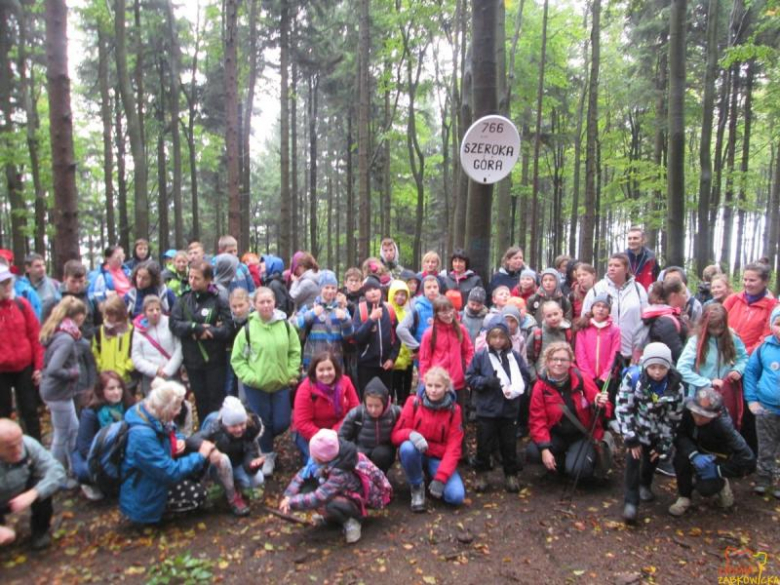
(709, 451)
(644, 265)
(201, 320)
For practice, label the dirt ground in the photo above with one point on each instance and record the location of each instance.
(494, 538)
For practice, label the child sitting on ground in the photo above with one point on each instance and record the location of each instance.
(499, 378)
(234, 433)
(370, 425)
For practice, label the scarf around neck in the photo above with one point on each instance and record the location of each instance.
(332, 392)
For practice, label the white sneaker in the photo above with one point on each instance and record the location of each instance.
(92, 493)
(726, 496)
(270, 464)
(680, 506)
(614, 426)
(352, 531)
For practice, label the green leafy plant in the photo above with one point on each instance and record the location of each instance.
(182, 569)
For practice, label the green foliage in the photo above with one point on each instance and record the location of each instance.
(183, 569)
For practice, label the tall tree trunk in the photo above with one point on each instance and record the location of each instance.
(108, 147)
(66, 219)
(162, 171)
(504, 187)
(385, 155)
(675, 174)
(575, 201)
(294, 212)
(592, 133)
(744, 165)
(364, 107)
(330, 220)
(464, 184)
(703, 233)
(535, 221)
(313, 84)
(246, 161)
(728, 196)
(484, 15)
(121, 176)
(285, 238)
(231, 119)
(659, 143)
(134, 127)
(773, 241)
(174, 83)
(190, 131)
(350, 231)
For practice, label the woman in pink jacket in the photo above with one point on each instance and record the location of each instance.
(446, 344)
(597, 341)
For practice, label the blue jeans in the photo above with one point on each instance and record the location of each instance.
(303, 446)
(245, 481)
(412, 462)
(274, 410)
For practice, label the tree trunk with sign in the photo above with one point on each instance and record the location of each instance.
(480, 202)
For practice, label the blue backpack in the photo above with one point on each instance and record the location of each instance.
(104, 461)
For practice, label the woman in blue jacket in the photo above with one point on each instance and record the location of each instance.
(158, 476)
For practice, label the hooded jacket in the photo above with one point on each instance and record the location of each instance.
(366, 432)
(394, 265)
(113, 352)
(313, 410)
(448, 353)
(240, 450)
(463, 283)
(24, 290)
(442, 428)
(103, 283)
(628, 301)
(47, 289)
(60, 364)
(274, 279)
(190, 314)
(232, 274)
(644, 267)
(596, 347)
(535, 302)
(667, 327)
(272, 355)
(19, 329)
(147, 358)
(714, 366)
(335, 478)
(472, 320)
(762, 375)
(305, 290)
(326, 332)
(545, 411)
(149, 469)
(376, 341)
(134, 299)
(490, 399)
(750, 321)
(416, 322)
(404, 360)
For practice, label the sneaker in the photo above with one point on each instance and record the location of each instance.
(763, 485)
(614, 426)
(318, 520)
(680, 506)
(629, 513)
(352, 531)
(238, 505)
(646, 494)
(269, 464)
(481, 484)
(511, 485)
(726, 496)
(666, 467)
(40, 541)
(92, 493)
(418, 498)
(69, 484)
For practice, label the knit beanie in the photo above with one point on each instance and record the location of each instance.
(603, 298)
(657, 353)
(371, 282)
(232, 412)
(511, 312)
(324, 445)
(528, 273)
(774, 316)
(477, 295)
(328, 278)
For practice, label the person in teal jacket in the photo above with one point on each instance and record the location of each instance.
(155, 463)
(715, 354)
(762, 393)
(267, 359)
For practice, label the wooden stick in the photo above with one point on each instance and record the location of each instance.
(287, 517)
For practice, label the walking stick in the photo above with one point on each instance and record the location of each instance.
(568, 494)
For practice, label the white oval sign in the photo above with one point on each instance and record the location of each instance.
(490, 149)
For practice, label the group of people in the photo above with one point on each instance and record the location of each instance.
(688, 382)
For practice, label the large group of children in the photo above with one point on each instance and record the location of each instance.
(688, 383)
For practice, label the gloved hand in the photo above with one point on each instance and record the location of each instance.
(709, 472)
(493, 384)
(436, 488)
(701, 461)
(418, 441)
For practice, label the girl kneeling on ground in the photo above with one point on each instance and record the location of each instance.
(429, 435)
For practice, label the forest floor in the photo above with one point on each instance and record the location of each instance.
(494, 538)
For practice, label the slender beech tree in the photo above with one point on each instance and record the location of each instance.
(675, 165)
(231, 118)
(174, 89)
(592, 136)
(364, 107)
(108, 148)
(285, 231)
(535, 219)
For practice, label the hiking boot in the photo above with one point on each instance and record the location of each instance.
(481, 484)
(763, 485)
(238, 505)
(269, 464)
(318, 520)
(666, 467)
(352, 531)
(646, 494)
(511, 484)
(680, 506)
(40, 541)
(726, 496)
(418, 498)
(92, 493)
(629, 513)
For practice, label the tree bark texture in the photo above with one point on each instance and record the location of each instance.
(592, 132)
(364, 107)
(231, 118)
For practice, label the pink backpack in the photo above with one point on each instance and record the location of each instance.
(377, 491)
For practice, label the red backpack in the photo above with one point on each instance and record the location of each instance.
(363, 310)
(377, 491)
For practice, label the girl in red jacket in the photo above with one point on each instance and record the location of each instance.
(429, 434)
(560, 440)
(322, 400)
(21, 355)
(598, 340)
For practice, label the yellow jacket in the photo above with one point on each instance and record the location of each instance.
(405, 356)
(113, 353)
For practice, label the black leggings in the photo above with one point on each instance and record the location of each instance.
(26, 400)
